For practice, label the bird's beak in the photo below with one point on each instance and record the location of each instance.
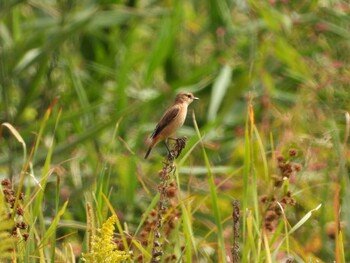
(195, 98)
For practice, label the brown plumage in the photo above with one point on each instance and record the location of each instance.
(171, 120)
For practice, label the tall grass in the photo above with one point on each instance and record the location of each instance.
(83, 83)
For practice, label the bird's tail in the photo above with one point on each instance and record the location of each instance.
(148, 151)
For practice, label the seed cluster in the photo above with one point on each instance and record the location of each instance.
(10, 198)
(235, 231)
(161, 221)
(286, 168)
(277, 204)
(167, 190)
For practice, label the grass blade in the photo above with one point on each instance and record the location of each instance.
(53, 226)
(218, 91)
(214, 197)
(296, 227)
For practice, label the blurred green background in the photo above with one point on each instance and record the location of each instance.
(112, 67)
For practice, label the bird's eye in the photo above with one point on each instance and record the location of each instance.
(189, 95)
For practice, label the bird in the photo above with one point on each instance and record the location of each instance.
(173, 118)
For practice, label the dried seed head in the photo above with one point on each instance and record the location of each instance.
(162, 173)
(157, 243)
(170, 258)
(278, 182)
(284, 200)
(153, 213)
(14, 232)
(144, 234)
(25, 236)
(120, 245)
(6, 183)
(292, 202)
(171, 192)
(22, 225)
(172, 184)
(297, 167)
(270, 216)
(7, 191)
(128, 240)
(140, 258)
(268, 226)
(280, 158)
(293, 152)
(20, 211)
(157, 253)
(263, 199)
(144, 242)
(171, 224)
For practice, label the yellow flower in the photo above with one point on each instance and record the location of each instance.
(102, 248)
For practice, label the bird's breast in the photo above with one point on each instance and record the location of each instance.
(176, 123)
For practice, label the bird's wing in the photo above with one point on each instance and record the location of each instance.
(167, 118)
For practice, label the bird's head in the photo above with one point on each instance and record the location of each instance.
(185, 97)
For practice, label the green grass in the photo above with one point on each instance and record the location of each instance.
(82, 83)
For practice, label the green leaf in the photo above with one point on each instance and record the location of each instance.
(53, 226)
(219, 90)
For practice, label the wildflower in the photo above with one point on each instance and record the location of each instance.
(102, 248)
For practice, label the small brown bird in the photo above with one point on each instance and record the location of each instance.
(172, 120)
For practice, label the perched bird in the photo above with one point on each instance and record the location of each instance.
(172, 120)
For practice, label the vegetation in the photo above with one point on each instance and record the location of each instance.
(83, 83)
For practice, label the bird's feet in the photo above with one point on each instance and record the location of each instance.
(171, 155)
